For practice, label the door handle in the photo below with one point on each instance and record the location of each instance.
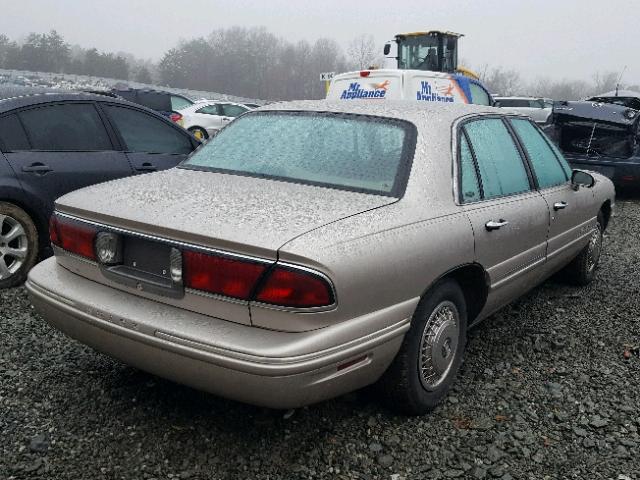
(226, 119)
(38, 168)
(493, 225)
(147, 167)
(560, 206)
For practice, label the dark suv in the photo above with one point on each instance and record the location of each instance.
(52, 144)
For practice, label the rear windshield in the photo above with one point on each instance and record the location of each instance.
(351, 152)
(596, 139)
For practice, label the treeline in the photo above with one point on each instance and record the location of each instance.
(501, 81)
(49, 52)
(255, 63)
(252, 62)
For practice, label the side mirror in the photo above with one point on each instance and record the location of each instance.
(387, 48)
(582, 179)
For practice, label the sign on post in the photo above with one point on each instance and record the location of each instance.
(326, 77)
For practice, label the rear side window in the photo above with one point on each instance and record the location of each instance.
(545, 165)
(67, 127)
(233, 110)
(514, 102)
(209, 110)
(12, 134)
(470, 186)
(501, 168)
(144, 133)
(178, 103)
(478, 95)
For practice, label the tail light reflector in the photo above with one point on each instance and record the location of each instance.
(295, 288)
(75, 237)
(221, 275)
(254, 281)
(176, 118)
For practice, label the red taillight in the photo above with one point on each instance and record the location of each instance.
(221, 275)
(175, 117)
(53, 230)
(75, 237)
(365, 73)
(295, 288)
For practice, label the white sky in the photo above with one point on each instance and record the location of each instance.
(554, 38)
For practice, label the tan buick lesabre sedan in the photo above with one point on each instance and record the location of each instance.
(314, 248)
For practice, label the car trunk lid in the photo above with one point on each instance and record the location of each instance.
(240, 214)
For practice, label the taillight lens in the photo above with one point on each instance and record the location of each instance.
(237, 278)
(176, 117)
(221, 275)
(295, 288)
(75, 237)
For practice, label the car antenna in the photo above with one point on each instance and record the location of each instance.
(620, 78)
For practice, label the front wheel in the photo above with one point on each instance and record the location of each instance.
(431, 353)
(582, 270)
(18, 245)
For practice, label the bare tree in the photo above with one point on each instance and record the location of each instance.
(500, 81)
(362, 51)
(605, 82)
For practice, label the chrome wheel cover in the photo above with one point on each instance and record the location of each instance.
(14, 246)
(439, 345)
(594, 249)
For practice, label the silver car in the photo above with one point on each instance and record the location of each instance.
(313, 248)
(538, 109)
(206, 117)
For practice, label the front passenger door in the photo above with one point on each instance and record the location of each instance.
(509, 217)
(571, 223)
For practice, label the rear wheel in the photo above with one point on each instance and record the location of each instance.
(18, 245)
(431, 353)
(200, 133)
(582, 270)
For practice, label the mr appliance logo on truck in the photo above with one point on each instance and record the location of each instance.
(370, 90)
(442, 93)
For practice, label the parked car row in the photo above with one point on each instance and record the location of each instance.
(307, 250)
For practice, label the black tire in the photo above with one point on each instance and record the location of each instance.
(200, 133)
(582, 269)
(402, 386)
(13, 269)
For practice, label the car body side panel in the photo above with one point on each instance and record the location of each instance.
(570, 226)
(511, 255)
(387, 260)
(69, 171)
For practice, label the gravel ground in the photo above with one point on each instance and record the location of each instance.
(550, 389)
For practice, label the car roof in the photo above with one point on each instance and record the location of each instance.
(9, 104)
(433, 113)
(500, 97)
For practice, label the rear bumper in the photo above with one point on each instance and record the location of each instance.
(231, 360)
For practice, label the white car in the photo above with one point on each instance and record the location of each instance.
(204, 118)
(538, 109)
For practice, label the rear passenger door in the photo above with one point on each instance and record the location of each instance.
(209, 117)
(509, 217)
(58, 148)
(150, 143)
(571, 222)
